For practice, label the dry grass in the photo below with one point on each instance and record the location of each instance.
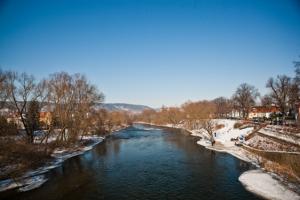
(285, 164)
(237, 125)
(219, 126)
(284, 170)
(17, 157)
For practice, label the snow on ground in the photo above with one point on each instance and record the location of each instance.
(236, 152)
(268, 144)
(285, 137)
(8, 184)
(24, 184)
(205, 143)
(255, 181)
(225, 134)
(263, 184)
(32, 183)
(35, 178)
(151, 129)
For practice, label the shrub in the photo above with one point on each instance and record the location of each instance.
(16, 157)
(219, 126)
(7, 128)
(237, 125)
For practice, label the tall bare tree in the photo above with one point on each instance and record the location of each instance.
(72, 98)
(223, 107)
(148, 115)
(86, 96)
(3, 88)
(245, 97)
(21, 89)
(100, 119)
(293, 95)
(33, 117)
(174, 115)
(280, 90)
(266, 100)
(61, 96)
(297, 72)
(196, 112)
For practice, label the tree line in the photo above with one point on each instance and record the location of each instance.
(283, 93)
(70, 99)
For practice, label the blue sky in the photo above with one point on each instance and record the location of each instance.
(153, 52)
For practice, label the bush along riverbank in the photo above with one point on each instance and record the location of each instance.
(26, 168)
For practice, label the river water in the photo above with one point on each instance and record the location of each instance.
(143, 162)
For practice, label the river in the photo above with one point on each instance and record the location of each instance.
(143, 162)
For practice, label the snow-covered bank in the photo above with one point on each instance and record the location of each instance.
(285, 137)
(263, 184)
(224, 144)
(24, 184)
(256, 181)
(225, 134)
(35, 178)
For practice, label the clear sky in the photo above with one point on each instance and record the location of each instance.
(153, 52)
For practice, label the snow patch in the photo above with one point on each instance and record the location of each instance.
(33, 183)
(205, 143)
(288, 138)
(151, 129)
(35, 178)
(24, 184)
(7, 185)
(263, 184)
(225, 134)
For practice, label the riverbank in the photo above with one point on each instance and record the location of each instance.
(33, 179)
(275, 187)
(264, 185)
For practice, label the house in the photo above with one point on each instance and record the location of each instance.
(45, 117)
(262, 111)
(235, 114)
(15, 118)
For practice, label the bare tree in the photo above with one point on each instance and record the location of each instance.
(223, 107)
(293, 95)
(86, 96)
(3, 88)
(297, 72)
(100, 118)
(148, 115)
(21, 89)
(174, 115)
(266, 100)
(32, 117)
(61, 96)
(245, 97)
(280, 88)
(195, 112)
(209, 126)
(73, 99)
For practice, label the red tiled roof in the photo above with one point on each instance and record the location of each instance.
(264, 109)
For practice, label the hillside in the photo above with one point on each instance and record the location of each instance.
(124, 107)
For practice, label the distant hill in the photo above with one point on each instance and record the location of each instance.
(124, 107)
(136, 109)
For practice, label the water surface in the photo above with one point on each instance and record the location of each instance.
(143, 162)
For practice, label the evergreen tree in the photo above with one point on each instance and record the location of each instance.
(33, 118)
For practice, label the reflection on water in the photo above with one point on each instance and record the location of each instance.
(143, 162)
